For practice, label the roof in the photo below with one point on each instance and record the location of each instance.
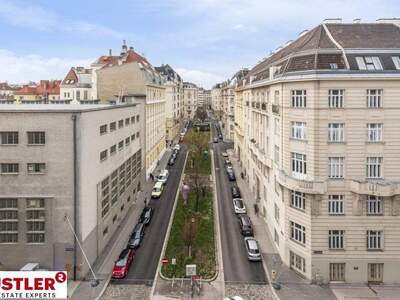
(4, 86)
(326, 47)
(78, 76)
(56, 108)
(45, 87)
(168, 72)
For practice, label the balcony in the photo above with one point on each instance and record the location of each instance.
(304, 186)
(384, 189)
(275, 109)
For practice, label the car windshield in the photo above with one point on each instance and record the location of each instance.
(156, 189)
(136, 234)
(253, 247)
(121, 262)
(239, 203)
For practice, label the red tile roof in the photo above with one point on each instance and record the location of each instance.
(45, 87)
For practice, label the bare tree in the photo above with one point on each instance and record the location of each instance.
(189, 234)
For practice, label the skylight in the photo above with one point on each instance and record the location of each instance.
(396, 61)
(369, 63)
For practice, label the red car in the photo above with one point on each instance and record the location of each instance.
(123, 263)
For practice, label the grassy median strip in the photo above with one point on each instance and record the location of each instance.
(191, 240)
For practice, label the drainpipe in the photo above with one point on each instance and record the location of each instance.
(73, 117)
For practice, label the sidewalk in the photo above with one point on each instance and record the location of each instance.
(293, 286)
(105, 262)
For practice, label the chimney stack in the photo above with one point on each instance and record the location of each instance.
(110, 52)
(357, 21)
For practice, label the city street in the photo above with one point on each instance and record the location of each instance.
(144, 267)
(237, 269)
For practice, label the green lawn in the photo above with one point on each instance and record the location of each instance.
(195, 159)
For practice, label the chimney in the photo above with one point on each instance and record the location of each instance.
(110, 52)
(357, 21)
(131, 48)
(389, 20)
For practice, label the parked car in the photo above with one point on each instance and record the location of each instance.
(253, 251)
(233, 298)
(231, 175)
(124, 261)
(215, 140)
(235, 191)
(146, 215)
(171, 160)
(224, 154)
(245, 225)
(177, 147)
(137, 236)
(220, 136)
(163, 177)
(157, 190)
(239, 206)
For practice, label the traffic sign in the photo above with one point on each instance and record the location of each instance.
(164, 260)
(190, 270)
(173, 261)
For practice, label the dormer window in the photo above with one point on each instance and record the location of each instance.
(396, 61)
(369, 63)
(333, 66)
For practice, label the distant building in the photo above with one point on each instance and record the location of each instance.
(44, 92)
(77, 164)
(216, 100)
(7, 93)
(190, 99)
(173, 100)
(207, 98)
(77, 85)
(131, 78)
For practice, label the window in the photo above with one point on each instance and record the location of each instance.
(396, 61)
(36, 168)
(299, 130)
(8, 220)
(277, 126)
(127, 121)
(336, 98)
(374, 205)
(336, 132)
(298, 200)
(374, 98)
(36, 138)
(35, 220)
(85, 95)
(276, 237)
(375, 272)
(375, 132)
(299, 164)
(297, 232)
(113, 149)
(132, 137)
(78, 95)
(333, 66)
(103, 129)
(297, 262)
(127, 141)
(137, 118)
(374, 240)
(113, 126)
(120, 123)
(336, 167)
(105, 231)
(336, 205)
(9, 137)
(369, 63)
(121, 145)
(9, 168)
(276, 210)
(299, 98)
(132, 120)
(137, 134)
(336, 271)
(276, 154)
(103, 155)
(336, 239)
(374, 167)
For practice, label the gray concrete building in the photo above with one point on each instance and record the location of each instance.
(66, 168)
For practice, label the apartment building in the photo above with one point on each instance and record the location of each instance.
(65, 169)
(45, 91)
(77, 86)
(173, 101)
(207, 98)
(190, 96)
(216, 100)
(132, 77)
(7, 93)
(317, 136)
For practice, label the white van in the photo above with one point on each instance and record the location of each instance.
(157, 190)
(30, 267)
(163, 177)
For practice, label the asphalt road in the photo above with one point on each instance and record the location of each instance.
(237, 269)
(144, 266)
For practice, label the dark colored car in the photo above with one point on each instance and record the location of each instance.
(124, 261)
(235, 192)
(137, 236)
(231, 175)
(245, 225)
(146, 215)
(171, 160)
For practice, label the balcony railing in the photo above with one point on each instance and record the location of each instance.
(275, 109)
(383, 189)
(304, 186)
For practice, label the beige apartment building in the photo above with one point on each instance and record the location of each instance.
(66, 169)
(132, 77)
(317, 133)
(190, 96)
(173, 101)
(216, 100)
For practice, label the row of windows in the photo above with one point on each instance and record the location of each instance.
(12, 137)
(374, 98)
(336, 132)
(121, 144)
(113, 125)
(374, 166)
(35, 221)
(337, 272)
(374, 62)
(13, 168)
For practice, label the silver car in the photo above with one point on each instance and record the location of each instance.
(239, 206)
(253, 251)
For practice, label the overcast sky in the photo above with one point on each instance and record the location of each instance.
(206, 41)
